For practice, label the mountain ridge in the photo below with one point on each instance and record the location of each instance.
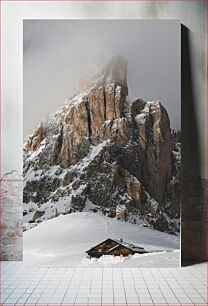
(101, 148)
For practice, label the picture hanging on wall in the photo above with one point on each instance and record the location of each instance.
(102, 142)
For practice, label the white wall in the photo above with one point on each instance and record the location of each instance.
(192, 15)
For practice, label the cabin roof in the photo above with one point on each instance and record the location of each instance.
(127, 245)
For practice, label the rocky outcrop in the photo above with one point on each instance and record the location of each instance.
(101, 148)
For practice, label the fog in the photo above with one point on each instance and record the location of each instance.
(55, 52)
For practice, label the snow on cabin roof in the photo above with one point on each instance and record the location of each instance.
(127, 245)
(130, 246)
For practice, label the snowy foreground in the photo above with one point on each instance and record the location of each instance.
(62, 241)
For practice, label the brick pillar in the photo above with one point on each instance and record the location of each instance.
(11, 217)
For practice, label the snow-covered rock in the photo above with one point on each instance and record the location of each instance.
(106, 148)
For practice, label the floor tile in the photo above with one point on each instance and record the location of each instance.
(87, 286)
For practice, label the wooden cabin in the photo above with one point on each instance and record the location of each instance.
(116, 248)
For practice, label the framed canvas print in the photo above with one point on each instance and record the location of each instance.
(102, 143)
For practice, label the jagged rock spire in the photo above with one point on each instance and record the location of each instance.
(89, 149)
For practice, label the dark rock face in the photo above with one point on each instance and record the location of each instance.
(99, 147)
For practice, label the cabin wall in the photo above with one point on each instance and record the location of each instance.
(104, 247)
(121, 251)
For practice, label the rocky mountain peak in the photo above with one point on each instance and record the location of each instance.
(100, 148)
(82, 120)
(104, 70)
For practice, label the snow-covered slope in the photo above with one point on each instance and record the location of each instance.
(62, 241)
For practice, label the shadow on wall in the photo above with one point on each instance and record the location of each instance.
(193, 205)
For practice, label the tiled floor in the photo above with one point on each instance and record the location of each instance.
(103, 286)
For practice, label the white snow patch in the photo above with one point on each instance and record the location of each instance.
(120, 208)
(37, 152)
(103, 261)
(169, 259)
(73, 101)
(94, 151)
(140, 119)
(153, 203)
(154, 259)
(34, 175)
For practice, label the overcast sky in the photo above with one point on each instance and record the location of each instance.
(55, 50)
